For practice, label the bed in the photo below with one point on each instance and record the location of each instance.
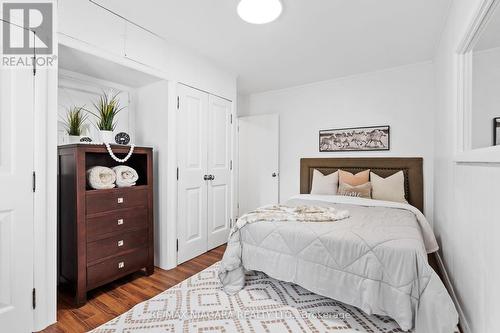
(376, 259)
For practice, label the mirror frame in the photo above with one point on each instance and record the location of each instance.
(465, 153)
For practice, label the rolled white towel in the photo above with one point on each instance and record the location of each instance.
(101, 178)
(125, 176)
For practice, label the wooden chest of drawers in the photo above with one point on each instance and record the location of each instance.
(103, 234)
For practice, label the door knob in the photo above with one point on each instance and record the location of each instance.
(212, 177)
(274, 175)
(206, 177)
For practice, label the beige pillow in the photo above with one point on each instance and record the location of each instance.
(360, 191)
(391, 188)
(322, 184)
(360, 178)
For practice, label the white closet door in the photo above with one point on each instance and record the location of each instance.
(219, 166)
(192, 161)
(16, 200)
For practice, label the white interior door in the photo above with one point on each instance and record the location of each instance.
(219, 167)
(16, 200)
(192, 162)
(258, 150)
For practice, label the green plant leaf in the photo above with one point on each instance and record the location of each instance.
(75, 117)
(107, 107)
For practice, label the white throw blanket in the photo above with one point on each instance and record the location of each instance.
(279, 213)
(101, 178)
(125, 176)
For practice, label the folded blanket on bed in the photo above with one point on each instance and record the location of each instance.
(101, 178)
(294, 214)
(125, 176)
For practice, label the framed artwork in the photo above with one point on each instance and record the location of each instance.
(496, 131)
(374, 138)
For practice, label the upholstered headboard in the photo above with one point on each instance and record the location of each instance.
(384, 167)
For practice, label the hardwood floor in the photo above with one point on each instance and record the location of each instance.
(110, 301)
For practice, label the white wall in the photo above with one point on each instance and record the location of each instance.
(485, 96)
(152, 131)
(466, 195)
(401, 97)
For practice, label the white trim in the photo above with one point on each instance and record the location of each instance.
(463, 321)
(478, 24)
(464, 151)
(169, 258)
(45, 197)
(45, 222)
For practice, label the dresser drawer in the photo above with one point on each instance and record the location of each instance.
(101, 226)
(117, 244)
(115, 268)
(107, 200)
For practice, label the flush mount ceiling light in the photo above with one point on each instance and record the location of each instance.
(259, 11)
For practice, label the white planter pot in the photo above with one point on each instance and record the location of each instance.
(106, 136)
(73, 139)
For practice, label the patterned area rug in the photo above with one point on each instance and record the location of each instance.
(198, 304)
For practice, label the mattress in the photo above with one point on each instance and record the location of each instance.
(375, 260)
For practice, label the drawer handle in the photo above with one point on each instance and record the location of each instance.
(120, 200)
(120, 243)
(121, 264)
(120, 221)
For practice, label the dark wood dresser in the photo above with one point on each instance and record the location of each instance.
(103, 234)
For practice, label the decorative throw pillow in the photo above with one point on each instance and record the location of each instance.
(391, 188)
(359, 191)
(322, 184)
(354, 180)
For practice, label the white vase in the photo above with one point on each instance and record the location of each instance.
(106, 136)
(73, 139)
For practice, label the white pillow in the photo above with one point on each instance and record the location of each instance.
(391, 188)
(325, 185)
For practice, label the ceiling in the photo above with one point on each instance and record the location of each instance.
(313, 40)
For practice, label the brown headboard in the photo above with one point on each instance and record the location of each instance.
(382, 166)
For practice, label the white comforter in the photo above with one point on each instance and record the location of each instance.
(375, 260)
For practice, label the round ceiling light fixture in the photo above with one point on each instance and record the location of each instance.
(259, 11)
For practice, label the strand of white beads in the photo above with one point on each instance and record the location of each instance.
(120, 160)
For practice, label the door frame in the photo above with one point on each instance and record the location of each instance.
(45, 199)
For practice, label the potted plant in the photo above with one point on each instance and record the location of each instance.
(107, 108)
(75, 117)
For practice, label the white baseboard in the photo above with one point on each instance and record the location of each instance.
(464, 325)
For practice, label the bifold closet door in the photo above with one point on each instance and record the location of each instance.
(192, 161)
(219, 167)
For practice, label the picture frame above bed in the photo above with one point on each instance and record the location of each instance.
(372, 138)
